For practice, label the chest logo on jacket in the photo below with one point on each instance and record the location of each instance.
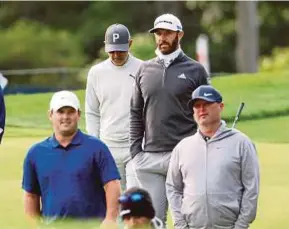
(182, 76)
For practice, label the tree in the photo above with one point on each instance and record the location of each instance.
(247, 48)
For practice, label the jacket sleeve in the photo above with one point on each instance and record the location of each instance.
(92, 113)
(2, 114)
(250, 181)
(174, 190)
(204, 78)
(136, 118)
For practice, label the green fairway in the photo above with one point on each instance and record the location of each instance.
(274, 162)
(31, 110)
(265, 94)
(273, 130)
(273, 205)
(262, 93)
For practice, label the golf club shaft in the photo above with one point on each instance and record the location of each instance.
(238, 114)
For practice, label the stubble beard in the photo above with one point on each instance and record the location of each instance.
(173, 47)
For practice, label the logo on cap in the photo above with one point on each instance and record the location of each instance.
(167, 21)
(164, 21)
(207, 94)
(115, 36)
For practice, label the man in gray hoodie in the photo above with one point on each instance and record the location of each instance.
(213, 176)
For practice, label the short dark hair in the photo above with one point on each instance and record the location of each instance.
(141, 206)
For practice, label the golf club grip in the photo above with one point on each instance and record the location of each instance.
(240, 109)
(238, 114)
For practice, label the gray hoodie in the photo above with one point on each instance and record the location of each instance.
(214, 184)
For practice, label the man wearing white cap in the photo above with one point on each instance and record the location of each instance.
(70, 175)
(108, 93)
(160, 117)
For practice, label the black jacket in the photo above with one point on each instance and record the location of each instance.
(159, 111)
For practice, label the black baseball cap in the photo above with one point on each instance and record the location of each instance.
(136, 202)
(207, 93)
(117, 38)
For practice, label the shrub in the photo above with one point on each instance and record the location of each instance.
(28, 44)
(278, 61)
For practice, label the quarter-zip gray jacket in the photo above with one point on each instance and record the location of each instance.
(159, 111)
(214, 184)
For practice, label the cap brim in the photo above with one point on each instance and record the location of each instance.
(116, 47)
(192, 101)
(162, 27)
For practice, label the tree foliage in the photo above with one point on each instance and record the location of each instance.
(80, 26)
(279, 60)
(31, 45)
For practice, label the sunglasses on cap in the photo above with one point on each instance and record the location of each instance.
(134, 197)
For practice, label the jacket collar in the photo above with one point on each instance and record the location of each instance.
(222, 129)
(177, 59)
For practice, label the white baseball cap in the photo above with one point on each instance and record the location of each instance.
(167, 21)
(64, 99)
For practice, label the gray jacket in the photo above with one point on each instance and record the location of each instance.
(214, 184)
(159, 112)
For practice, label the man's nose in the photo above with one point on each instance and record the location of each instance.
(65, 115)
(201, 107)
(163, 37)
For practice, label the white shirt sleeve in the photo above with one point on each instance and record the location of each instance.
(92, 113)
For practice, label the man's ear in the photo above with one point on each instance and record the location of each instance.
(49, 114)
(130, 42)
(180, 35)
(222, 105)
(79, 114)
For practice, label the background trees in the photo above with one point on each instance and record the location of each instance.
(71, 34)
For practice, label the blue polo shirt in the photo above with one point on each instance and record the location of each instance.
(70, 180)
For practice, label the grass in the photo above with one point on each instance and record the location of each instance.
(273, 205)
(272, 210)
(265, 94)
(269, 134)
(30, 110)
(270, 130)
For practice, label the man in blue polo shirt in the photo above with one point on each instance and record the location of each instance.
(70, 175)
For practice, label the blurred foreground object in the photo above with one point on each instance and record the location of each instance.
(3, 81)
(2, 114)
(202, 49)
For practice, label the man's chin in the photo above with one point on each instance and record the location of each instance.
(166, 51)
(67, 131)
(118, 62)
(203, 122)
